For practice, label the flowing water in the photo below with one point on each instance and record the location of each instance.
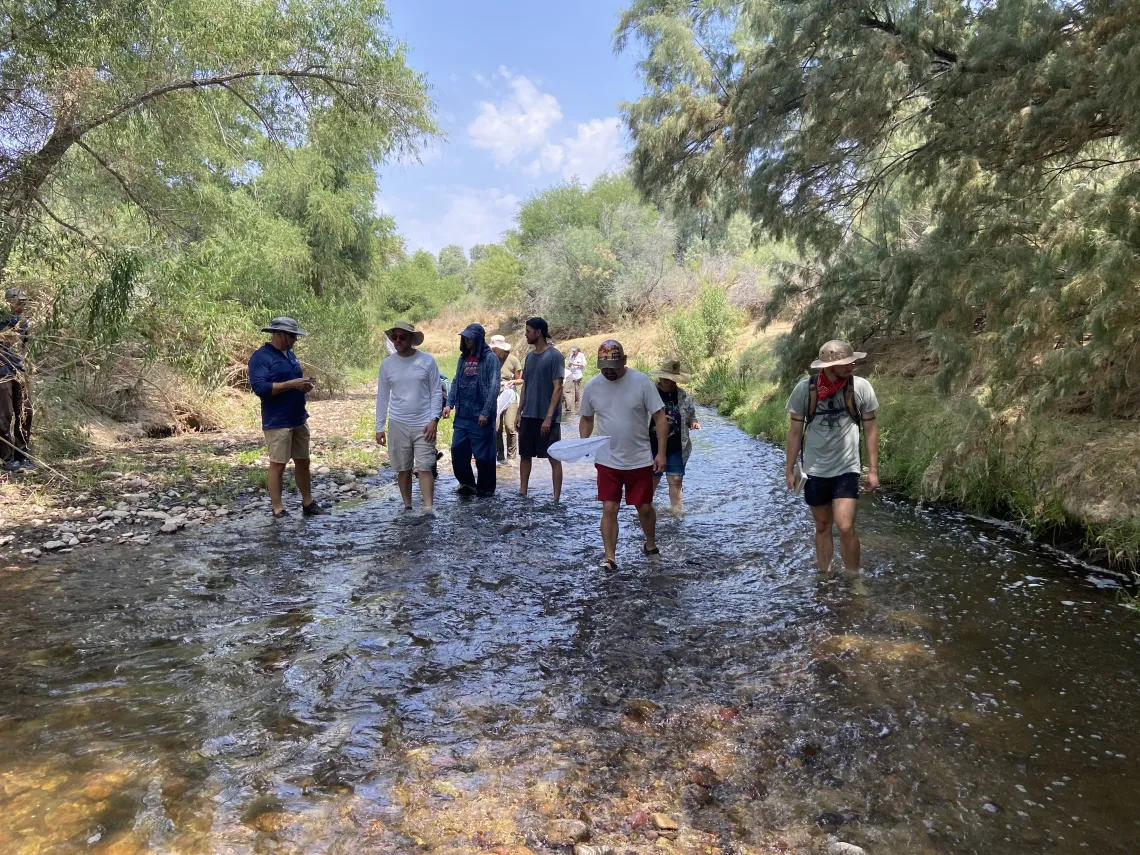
(369, 682)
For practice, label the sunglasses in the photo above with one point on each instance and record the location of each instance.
(401, 336)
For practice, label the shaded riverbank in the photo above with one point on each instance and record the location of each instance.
(373, 683)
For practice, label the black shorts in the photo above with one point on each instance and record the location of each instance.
(821, 491)
(531, 441)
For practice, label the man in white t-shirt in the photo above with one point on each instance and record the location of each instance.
(623, 401)
(409, 397)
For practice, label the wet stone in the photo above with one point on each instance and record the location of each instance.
(565, 832)
(837, 847)
(663, 822)
(584, 849)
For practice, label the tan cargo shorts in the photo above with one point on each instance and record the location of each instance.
(287, 444)
(408, 451)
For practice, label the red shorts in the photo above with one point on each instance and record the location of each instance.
(638, 484)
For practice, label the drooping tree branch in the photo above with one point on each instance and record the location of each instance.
(114, 173)
(310, 73)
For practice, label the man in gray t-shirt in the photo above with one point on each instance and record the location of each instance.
(845, 405)
(539, 421)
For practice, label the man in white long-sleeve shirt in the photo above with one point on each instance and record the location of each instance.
(409, 397)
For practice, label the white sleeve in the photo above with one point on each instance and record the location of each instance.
(652, 397)
(383, 395)
(586, 408)
(436, 404)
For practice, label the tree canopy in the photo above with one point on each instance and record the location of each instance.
(964, 170)
(155, 97)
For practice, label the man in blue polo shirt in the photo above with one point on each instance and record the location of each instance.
(277, 378)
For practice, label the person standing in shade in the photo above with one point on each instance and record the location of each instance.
(510, 377)
(409, 395)
(276, 377)
(623, 401)
(828, 412)
(15, 388)
(576, 367)
(540, 411)
(474, 396)
(681, 414)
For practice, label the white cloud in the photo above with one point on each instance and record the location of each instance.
(516, 125)
(472, 215)
(598, 146)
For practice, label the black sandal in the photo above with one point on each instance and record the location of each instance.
(654, 551)
(609, 565)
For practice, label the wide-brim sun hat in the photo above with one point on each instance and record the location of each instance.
(837, 352)
(417, 335)
(670, 369)
(285, 325)
(15, 293)
(500, 342)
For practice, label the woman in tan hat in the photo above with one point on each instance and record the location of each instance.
(510, 377)
(682, 417)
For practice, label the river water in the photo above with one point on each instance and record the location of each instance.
(369, 682)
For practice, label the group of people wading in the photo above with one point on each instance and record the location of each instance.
(502, 406)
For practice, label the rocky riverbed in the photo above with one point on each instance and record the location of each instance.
(133, 492)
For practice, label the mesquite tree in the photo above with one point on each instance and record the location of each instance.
(964, 169)
(154, 94)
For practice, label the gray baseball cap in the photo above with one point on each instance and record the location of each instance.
(15, 294)
(283, 324)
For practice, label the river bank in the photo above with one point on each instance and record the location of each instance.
(136, 490)
(1067, 479)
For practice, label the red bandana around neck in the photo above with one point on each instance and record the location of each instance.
(825, 388)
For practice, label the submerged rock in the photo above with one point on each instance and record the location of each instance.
(838, 847)
(566, 832)
(663, 822)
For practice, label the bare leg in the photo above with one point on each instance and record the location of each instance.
(610, 529)
(556, 477)
(824, 548)
(304, 481)
(524, 475)
(648, 519)
(844, 512)
(276, 477)
(404, 479)
(427, 489)
(676, 494)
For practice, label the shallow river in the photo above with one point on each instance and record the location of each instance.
(368, 682)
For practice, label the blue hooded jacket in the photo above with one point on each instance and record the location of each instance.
(474, 391)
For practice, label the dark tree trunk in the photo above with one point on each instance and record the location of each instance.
(20, 186)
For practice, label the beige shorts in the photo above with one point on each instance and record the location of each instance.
(287, 444)
(408, 451)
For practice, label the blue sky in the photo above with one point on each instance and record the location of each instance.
(527, 94)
